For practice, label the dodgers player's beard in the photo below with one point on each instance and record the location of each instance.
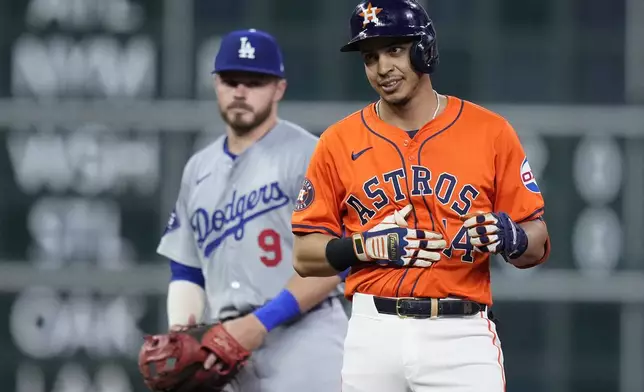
(238, 124)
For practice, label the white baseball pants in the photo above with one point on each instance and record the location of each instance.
(386, 353)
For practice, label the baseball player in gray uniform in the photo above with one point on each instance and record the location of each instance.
(229, 237)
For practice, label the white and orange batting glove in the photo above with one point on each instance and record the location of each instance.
(494, 232)
(392, 242)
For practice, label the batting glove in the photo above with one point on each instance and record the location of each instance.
(391, 242)
(496, 233)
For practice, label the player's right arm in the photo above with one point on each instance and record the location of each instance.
(310, 255)
(316, 217)
(186, 295)
(320, 249)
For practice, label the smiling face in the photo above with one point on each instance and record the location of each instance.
(247, 99)
(388, 67)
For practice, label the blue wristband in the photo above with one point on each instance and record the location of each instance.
(279, 310)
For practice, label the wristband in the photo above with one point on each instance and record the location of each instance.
(340, 254)
(281, 309)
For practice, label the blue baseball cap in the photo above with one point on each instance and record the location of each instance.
(250, 51)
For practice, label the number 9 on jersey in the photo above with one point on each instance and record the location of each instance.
(270, 242)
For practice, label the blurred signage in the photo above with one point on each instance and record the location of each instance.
(73, 341)
(583, 181)
(83, 196)
(88, 48)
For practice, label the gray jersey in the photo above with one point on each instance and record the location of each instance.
(232, 218)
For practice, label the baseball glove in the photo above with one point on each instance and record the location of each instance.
(174, 362)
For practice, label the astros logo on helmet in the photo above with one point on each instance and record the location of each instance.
(370, 15)
(396, 18)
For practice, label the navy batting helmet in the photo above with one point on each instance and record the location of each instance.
(396, 18)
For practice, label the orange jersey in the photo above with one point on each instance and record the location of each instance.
(468, 159)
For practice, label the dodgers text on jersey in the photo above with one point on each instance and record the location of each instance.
(211, 228)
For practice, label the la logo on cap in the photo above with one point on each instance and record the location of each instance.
(246, 50)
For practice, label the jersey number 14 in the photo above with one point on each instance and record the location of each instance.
(270, 242)
(461, 242)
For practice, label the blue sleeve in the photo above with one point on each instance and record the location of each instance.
(343, 274)
(184, 272)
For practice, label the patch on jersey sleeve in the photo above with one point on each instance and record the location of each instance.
(527, 177)
(173, 223)
(306, 196)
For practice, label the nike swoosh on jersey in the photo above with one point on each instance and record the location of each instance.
(200, 179)
(356, 155)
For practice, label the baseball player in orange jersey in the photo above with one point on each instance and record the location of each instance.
(413, 193)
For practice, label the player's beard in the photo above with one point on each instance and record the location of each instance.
(239, 122)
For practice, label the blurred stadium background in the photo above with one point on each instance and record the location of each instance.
(103, 101)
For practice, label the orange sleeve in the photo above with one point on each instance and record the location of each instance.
(517, 192)
(318, 205)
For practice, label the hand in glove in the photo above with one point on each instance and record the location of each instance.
(496, 233)
(392, 242)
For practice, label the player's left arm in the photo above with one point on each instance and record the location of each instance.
(298, 297)
(538, 244)
(310, 291)
(516, 228)
(519, 196)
